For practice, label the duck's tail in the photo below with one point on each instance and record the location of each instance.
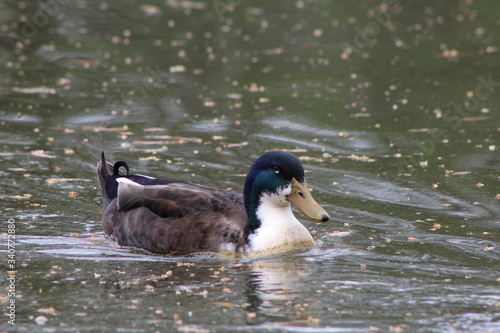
(104, 170)
(107, 174)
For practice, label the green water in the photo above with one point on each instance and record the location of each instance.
(391, 105)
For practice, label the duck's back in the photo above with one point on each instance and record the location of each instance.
(169, 216)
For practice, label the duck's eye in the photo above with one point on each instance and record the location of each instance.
(276, 169)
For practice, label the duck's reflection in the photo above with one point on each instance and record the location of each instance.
(275, 291)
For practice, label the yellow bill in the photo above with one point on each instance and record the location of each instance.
(301, 198)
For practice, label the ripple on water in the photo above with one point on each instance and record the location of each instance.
(466, 248)
(96, 247)
(209, 126)
(20, 118)
(371, 220)
(357, 185)
(84, 248)
(334, 141)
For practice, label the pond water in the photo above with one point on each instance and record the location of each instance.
(392, 106)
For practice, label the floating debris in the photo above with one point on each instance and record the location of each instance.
(42, 153)
(363, 158)
(470, 119)
(41, 320)
(49, 310)
(150, 10)
(177, 69)
(24, 196)
(34, 90)
(52, 181)
(105, 129)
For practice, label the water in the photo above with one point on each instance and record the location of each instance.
(392, 109)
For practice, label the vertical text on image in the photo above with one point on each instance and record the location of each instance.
(11, 274)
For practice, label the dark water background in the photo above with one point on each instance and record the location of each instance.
(391, 105)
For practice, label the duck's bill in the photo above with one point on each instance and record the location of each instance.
(301, 198)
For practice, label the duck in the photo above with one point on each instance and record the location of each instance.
(178, 217)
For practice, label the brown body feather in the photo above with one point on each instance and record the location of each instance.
(170, 216)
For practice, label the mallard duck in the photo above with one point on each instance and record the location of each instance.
(168, 216)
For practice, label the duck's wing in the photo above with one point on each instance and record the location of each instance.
(177, 216)
(176, 199)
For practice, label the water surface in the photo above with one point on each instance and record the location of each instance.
(391, 106)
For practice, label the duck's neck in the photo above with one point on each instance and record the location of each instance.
(252, 201)
(272, 225)
(253, 220)
(255, 198)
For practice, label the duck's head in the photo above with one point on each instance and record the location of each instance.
(280, 176)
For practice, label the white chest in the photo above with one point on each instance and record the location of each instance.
(279, 228)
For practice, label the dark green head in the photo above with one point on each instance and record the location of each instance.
(270, 174)
(272, 171)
